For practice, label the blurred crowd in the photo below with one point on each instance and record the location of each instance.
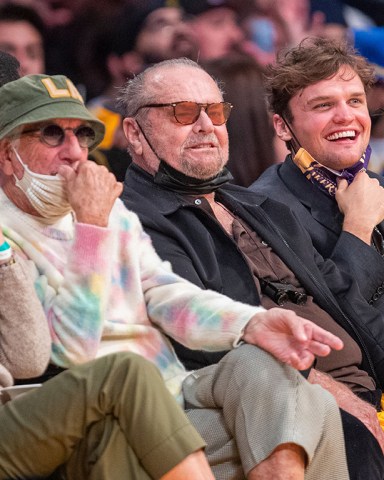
(99, 45)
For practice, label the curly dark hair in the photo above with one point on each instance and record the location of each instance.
(314, 59)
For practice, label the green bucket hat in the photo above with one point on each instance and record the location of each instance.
(36, 98)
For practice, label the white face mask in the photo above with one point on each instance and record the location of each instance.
(46, 193)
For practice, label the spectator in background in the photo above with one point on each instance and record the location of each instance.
(369, 43)
(215, 26)
(375, 101)
(273, 25)
(22, 35)
(333, 24)
(250, 128)
(67, 23)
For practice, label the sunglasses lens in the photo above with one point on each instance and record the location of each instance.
(187, 112)
(53, 135)
(219, 112)
(86, 136)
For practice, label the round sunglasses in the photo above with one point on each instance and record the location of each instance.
(53, 135)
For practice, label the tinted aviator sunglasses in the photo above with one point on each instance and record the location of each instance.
(53, 135)
(187, 113)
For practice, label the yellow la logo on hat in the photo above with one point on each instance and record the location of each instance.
(55, 92)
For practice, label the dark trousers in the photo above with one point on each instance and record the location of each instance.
(364, 456)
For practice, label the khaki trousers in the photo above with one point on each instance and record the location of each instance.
(109, 419)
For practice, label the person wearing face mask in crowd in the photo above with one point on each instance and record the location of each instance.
(68, 410)
(318, 94)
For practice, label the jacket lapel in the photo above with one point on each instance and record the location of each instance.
(323, 207)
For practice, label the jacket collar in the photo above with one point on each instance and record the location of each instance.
(323, 207)
(168, 202)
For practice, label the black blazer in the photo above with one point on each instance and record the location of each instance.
(320, 216)
(200, 251)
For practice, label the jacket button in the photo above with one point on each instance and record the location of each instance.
(197, 201)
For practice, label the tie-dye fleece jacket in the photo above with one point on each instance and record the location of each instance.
(106, 290)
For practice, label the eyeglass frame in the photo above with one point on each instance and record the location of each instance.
(74, 130)
(201, 105)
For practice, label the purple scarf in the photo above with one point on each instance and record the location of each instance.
(325, 178)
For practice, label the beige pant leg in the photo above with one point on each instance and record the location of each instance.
(265, 403)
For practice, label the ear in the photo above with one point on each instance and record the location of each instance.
(132, 134)
(6, 165)
(282, 131)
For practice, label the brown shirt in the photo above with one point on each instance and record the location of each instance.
(342, 365)
(265, 264)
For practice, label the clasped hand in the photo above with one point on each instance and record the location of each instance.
(92, 191)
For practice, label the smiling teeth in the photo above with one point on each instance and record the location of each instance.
(348, 133)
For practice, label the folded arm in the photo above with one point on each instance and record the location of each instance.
(24, 336)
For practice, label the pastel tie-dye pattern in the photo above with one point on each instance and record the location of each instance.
(106, 290)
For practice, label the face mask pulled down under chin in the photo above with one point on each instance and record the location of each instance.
(46, 193)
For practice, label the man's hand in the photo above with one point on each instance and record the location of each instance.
(92, 191)
(290, 338)
(362, 203)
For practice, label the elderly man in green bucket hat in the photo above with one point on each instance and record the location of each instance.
(46, 124)
(73, 421)
(105, 290)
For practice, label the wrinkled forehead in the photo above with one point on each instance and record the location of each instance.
(177, 83)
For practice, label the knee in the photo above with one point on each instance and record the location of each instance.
(250, 362)
(133, 363)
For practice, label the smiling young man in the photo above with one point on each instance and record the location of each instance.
(317, 92)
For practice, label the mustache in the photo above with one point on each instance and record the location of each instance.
(198, 140)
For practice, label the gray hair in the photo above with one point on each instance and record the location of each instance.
(134, 94)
